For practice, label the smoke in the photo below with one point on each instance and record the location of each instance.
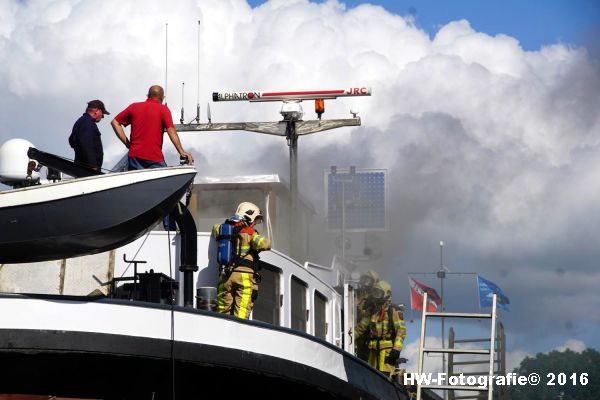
(488, 147)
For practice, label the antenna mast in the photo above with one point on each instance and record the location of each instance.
(166, 56)
(291, 127)
(182, 92)
(198, 92)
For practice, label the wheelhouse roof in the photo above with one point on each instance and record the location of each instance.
(266, 182)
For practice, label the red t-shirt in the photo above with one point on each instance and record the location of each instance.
(148, 120)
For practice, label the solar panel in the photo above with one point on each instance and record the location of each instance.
(365, 197)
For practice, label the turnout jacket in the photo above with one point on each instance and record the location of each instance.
(385, 327)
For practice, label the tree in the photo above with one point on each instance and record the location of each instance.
(562, 376)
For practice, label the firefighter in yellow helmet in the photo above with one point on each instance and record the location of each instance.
(364, 309)
(386, 330)
(238, 280)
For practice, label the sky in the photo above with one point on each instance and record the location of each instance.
(533, 23)
(485, 115)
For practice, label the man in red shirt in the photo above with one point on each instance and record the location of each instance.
(148, 121)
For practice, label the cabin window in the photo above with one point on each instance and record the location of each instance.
(320, 313)
(298, 300)
(266, 307)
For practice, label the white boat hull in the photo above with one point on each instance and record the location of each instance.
(86, 215)
(104, 348)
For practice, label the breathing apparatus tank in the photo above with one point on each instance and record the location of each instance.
(227, 241)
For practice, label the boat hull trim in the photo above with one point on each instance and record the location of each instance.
(212, 355)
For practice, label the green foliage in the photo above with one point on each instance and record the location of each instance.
(555, 362)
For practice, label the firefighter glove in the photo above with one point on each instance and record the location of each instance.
(392, 358)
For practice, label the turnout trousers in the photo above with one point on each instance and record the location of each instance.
(378, 351)
(236, 293)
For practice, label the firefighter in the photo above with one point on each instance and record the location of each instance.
(364, 309)
(386, 330)
(238, 283)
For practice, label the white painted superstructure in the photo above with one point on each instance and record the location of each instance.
(295, 341)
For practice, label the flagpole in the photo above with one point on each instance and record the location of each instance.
(478, 293)
(412, 313)
(443, 271)
(442, 274)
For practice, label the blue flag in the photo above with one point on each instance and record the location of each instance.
(486, 293)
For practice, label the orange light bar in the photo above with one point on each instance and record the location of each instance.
(319, 107)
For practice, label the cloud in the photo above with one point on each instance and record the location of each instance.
(490, 148)
(432, 363)
(517, 355)
(514, 358)
(572, 344)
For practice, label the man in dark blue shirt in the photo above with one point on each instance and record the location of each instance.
(85, 137)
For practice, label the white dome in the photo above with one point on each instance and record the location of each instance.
(14, 160)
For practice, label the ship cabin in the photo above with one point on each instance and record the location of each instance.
(306, 297)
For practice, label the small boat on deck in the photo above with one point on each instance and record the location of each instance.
(86, 215)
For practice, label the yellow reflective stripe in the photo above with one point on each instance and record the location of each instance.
(221, 297)
(246, 294)
(245, 249)
(381, 365)
(260, 241)
(382, 343)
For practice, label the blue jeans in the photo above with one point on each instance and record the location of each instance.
(139, 163)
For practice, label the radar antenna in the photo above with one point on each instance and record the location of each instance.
(291, 127)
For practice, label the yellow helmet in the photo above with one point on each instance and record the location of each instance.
(249, 212)
(382, 291)
(368, 279)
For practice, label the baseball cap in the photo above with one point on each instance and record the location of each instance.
(98, 104)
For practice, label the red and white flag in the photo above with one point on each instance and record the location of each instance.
(417, 290)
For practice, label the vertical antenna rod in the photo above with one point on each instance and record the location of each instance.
(441, 255)
(198, 92)
(182, 92)
(166, 56)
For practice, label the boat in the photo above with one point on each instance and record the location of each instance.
(115, 325)
(86, 215)
(92, 213)
(104, 348)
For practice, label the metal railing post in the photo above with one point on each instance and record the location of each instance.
(421, 345)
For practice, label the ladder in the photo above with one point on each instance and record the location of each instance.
(500, 362)
(454, 351)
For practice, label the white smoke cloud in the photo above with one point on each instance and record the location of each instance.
(489, 145)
